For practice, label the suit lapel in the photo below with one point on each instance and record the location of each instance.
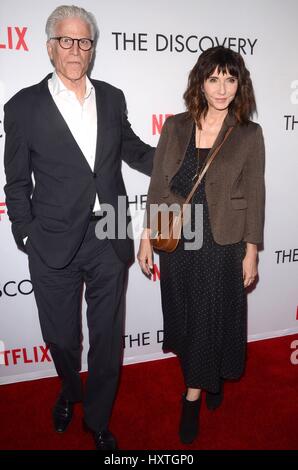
(100, 111)
(50, 112)
(183, 132)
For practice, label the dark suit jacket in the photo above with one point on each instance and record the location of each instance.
(234, 181)
(55, 211)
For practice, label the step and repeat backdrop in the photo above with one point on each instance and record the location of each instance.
(147, 49)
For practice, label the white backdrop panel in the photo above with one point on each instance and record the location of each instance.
(147, 49)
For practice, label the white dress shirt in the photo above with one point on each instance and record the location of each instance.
(80, 118)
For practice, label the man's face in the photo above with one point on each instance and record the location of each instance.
(71, 64)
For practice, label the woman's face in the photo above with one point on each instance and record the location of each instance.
(220, 90)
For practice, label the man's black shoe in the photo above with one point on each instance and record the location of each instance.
(62, 414)
(104, 440)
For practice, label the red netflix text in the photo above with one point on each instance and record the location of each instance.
(2, 210)
(156, 273)
(13, 37)
(158, 122)
(25, 356)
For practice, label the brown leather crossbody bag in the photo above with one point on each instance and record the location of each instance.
(167, 225)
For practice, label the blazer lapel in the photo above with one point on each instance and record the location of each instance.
(183, 133)
(100, 111)
(50, 112)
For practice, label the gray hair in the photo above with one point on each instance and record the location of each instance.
(70, 11)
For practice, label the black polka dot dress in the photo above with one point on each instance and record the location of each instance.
(203, 297)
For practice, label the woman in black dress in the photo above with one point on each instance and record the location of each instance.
(203, 289)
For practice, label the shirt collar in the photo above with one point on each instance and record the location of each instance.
(59, 87)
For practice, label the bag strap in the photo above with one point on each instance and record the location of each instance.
(210, 160)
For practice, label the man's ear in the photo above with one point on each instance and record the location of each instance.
(92, 54)
(50, 49)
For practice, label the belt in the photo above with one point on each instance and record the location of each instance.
(95, 216)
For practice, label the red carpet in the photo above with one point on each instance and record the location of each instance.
(259, 412)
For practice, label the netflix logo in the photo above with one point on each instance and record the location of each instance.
(158, 121)
(2, 348)
(2, 210)
(13, 357)
(155, 273)
(13, 37)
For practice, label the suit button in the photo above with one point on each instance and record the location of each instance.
(94, 175)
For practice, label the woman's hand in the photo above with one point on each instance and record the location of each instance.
(145, 253)
(250, 264)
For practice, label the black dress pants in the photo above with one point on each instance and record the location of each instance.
(58, 294)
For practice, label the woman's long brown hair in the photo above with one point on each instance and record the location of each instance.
(222, 60)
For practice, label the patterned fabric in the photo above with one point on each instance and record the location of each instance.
(203, 297)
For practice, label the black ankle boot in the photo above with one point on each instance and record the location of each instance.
(214, 400)
(189, 422)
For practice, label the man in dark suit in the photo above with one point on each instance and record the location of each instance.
(71, 133)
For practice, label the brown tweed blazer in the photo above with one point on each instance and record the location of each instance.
(234, 185)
